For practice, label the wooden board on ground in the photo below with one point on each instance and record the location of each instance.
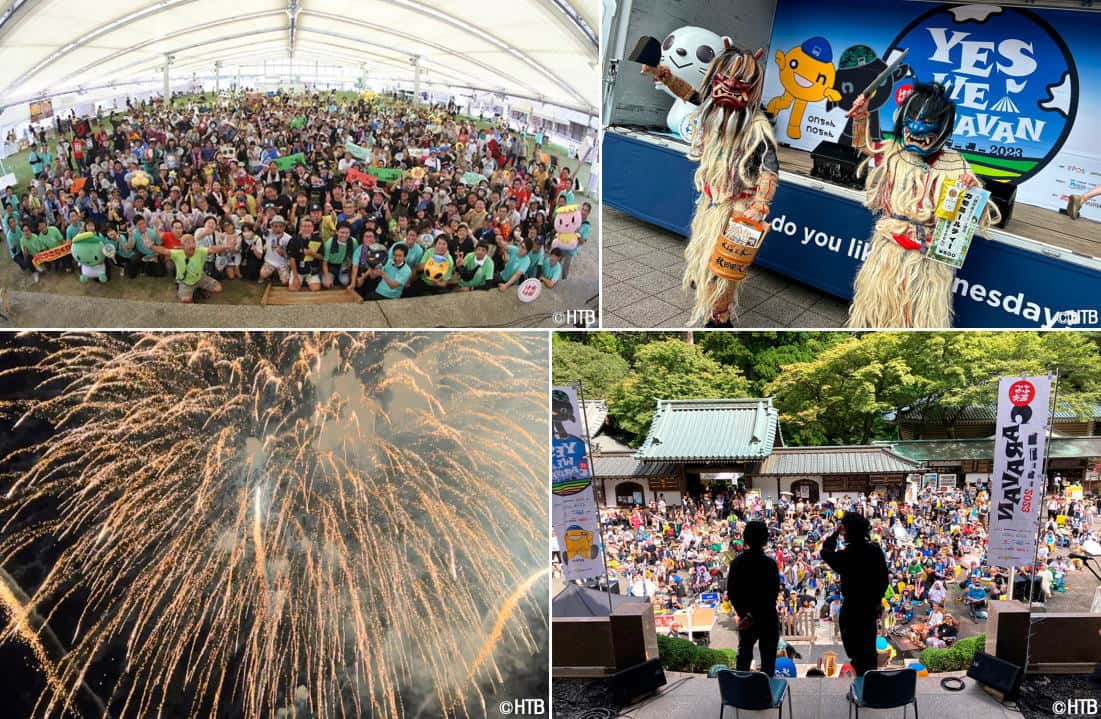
(279, 295)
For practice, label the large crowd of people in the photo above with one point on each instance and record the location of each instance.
(313, 191)
(934, 549)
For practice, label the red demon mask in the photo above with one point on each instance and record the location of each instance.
(731, 92)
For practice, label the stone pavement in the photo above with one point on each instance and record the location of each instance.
(643, 265)
(694, 695)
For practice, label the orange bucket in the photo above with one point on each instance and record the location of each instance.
(736, 248)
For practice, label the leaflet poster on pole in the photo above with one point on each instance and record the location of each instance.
(1017, 486)
(573, 505)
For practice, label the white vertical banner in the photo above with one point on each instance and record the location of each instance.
(575, 518)
(1017, 484)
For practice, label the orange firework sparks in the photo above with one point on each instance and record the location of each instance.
(262, 525)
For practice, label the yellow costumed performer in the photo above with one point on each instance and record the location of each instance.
(898, 286)
(737, 179)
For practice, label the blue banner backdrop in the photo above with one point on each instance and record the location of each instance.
(1026, 111)
(819, 239)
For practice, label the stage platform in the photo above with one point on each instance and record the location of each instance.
(1082, 237)
(1035, 273)
(694, 695)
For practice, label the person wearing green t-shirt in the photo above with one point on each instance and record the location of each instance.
(476, 271)
(13, 234)
(336, 257)
(17, 234)
(535, 260)
(392, 277)
(47, 238)
(552, 268)
(74, 227)
(190, 263)
(435, 269)
(413, 251)
(516, 266)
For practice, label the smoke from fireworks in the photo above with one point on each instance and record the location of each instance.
(328, 525)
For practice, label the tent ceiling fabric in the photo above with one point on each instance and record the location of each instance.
(530, 48)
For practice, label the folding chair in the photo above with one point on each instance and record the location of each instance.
(884, 689)
(753, 691)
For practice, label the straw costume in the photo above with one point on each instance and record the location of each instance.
(737, 177)
(898, 286)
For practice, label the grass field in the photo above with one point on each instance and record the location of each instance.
(18, 163)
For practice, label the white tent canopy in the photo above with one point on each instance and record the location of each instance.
(540, 49)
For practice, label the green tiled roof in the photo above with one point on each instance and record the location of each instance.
(836, 460)
(932, 450)
(923, 411)
(711, 430)
(625, 464)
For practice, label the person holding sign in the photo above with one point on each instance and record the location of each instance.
(304, 257)
(902, 284)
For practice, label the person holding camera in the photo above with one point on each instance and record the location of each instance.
(863, 571)
(752, 585)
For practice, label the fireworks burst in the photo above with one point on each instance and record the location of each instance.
(259, 525)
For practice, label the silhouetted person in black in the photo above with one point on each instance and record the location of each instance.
(863, 571)
(752, 585)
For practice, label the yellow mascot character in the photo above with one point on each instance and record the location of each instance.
(807, 74)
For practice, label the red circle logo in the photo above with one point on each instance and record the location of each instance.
(1021, 393)
(903, 92)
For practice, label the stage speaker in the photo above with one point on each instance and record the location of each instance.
(1021, 589)
(836, 163)
(1003, 194)
(997, 676)
(641, 680)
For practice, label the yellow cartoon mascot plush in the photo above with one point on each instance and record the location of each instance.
(807, 74)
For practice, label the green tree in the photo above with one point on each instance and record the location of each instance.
(843, 394)
(598, 371)
(846, 394)
(669, 369)
(962, 368)
(762, 355)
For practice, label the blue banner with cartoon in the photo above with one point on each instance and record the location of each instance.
(574, 515)
(1013, 72)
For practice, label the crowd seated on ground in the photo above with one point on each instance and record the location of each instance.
(311, 191)
(935, 549)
